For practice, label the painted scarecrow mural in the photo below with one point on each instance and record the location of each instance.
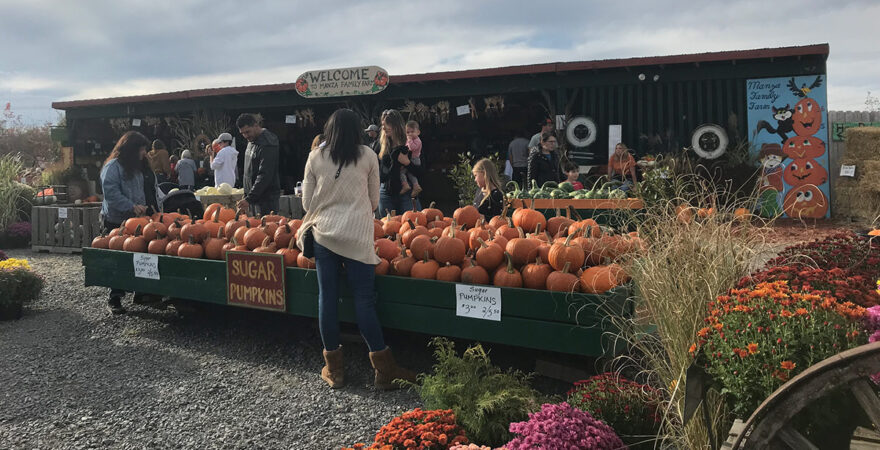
(788, 120)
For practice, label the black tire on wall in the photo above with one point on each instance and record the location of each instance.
(580, 131)
(709, 141)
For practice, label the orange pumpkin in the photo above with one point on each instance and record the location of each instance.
(807, 117)
(684, 214)
(402, 264)
(466, 215)
(135, 222)
(742, 214)
(289, 252)
(190, 249)
(101, 242)
(601, 279)
(267, 246)
(522, 250)
(382, 267)
(474, 274)
(172, 247)
(378, 230)
(449, 273)
(305, 263)
(529, 219)
(507, 276)
(410, 234)
(874, 233)
(803, 147)
(385, 248)
(489, 256)
(419, 245)
(135, 243)
(157, 246)
(432, 214)
(563, 280)
(233, 225)
(283, 236)
(558, 223)
(390, 227)
(196, 231)
(117, 242)
(565, 252)
(535, 275)
(253, 237)
(416, 217)
(425, 269)
(449, 249)
(153, 229)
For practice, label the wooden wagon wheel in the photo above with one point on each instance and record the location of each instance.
(770, 427)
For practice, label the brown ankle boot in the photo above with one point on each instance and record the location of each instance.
(332, 372)
(387, 370)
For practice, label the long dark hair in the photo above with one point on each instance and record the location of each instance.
(342, 135)
(394, 120)
(127, 152)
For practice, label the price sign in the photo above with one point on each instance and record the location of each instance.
(62, 213)
(847, 171)
(290, 118)
(146, 266)
(478, 302)
(463, 110)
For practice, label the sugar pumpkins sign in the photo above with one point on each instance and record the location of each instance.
(341, 82)
(788, 121)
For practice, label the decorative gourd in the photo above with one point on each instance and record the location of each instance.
(474, 274)
(214, 246)
(563, 280)
(172, 247)
(157, 246)
(421, 244)
(190, 249)
(305, 263)
(489, 256)
(101, 242)
(153, 229)
(385, 248)
(253, 237)
(601, 279)
(449, 249)
(425, 269)
(402, 264)
(383, 267)
(267, 246)
(466, 215)
(135, 243)
(507, 276)
(535, 275)
(449, 272)
(563, 253)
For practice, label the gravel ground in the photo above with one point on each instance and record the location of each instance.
(73, 376)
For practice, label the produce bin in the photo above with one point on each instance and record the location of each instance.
(553, 321)
(64, 228)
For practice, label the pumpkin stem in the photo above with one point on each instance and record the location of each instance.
(426, 256)
(220, 233)
(266, 241)
(137, 231)
(520, 230)
(568, 240)
(510, 268)
(290, 244)
(482, 242)
(538, 228)
(192, 239)
(567, 265)
(217, 215)
(538, 260)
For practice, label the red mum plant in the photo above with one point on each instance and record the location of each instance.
(418, 429)
(629, 407)
(756, 339)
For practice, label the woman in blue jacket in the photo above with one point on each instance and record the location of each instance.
(122, 181)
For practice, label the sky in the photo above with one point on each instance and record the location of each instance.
(62, 50)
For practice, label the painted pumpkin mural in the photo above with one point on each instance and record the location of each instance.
(803, 147)
(807, 117)
(805, 202)
(803, 171)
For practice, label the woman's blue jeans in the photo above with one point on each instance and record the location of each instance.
(393, 201)
(361, 279)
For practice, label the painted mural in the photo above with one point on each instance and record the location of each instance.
(788, 120)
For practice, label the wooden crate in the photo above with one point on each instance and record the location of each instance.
(64, 235)
(544, 320)
(291, 206)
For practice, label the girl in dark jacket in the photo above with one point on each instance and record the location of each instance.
(544, 163)
(393, 155)
(489, 199)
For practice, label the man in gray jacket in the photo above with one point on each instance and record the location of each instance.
(261, 182)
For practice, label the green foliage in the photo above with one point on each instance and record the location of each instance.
(485, 399)
(463, 179)
(15, 198)
(19, 285)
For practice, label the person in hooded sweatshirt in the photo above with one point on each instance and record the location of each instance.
(186, 171)
(224, 162)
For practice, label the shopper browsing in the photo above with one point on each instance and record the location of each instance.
(224, 161)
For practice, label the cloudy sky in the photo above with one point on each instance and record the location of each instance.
(64, 50)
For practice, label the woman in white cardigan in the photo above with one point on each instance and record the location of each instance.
(340, 191)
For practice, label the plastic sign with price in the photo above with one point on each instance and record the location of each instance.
(478, 302)
(255, 280)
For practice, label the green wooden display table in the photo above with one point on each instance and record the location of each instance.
(552, 321)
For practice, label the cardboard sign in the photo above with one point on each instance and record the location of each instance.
(478, 302)
(289, 118)
(615, 134)
(341, 82)
(463, 110)
(135, 122)
(62, 213)
(255, 280)
(146, 266)
(847, 171)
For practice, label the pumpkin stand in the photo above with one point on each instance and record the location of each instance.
(574, 318)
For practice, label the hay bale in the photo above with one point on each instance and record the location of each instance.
(868, 175)
(862, 143)
(854, 202)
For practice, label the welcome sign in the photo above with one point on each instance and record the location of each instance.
(341, 82)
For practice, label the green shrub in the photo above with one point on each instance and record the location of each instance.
(19, 285)
(485, 399)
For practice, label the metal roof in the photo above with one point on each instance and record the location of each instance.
(557, 67)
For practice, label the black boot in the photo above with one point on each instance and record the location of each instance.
(115, 305)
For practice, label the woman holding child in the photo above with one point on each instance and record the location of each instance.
(395, 164)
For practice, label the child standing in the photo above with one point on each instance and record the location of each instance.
(572, 172)
(414, 144)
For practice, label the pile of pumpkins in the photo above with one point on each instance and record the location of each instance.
(559, 254)
(220, 230)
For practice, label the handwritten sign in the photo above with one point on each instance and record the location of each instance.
(341, 82)
(62, 213)
(290, 118)
(463, 110)
(255, 280)
(135, 122)
(146, 266)
(479, 302)
(847, 170)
